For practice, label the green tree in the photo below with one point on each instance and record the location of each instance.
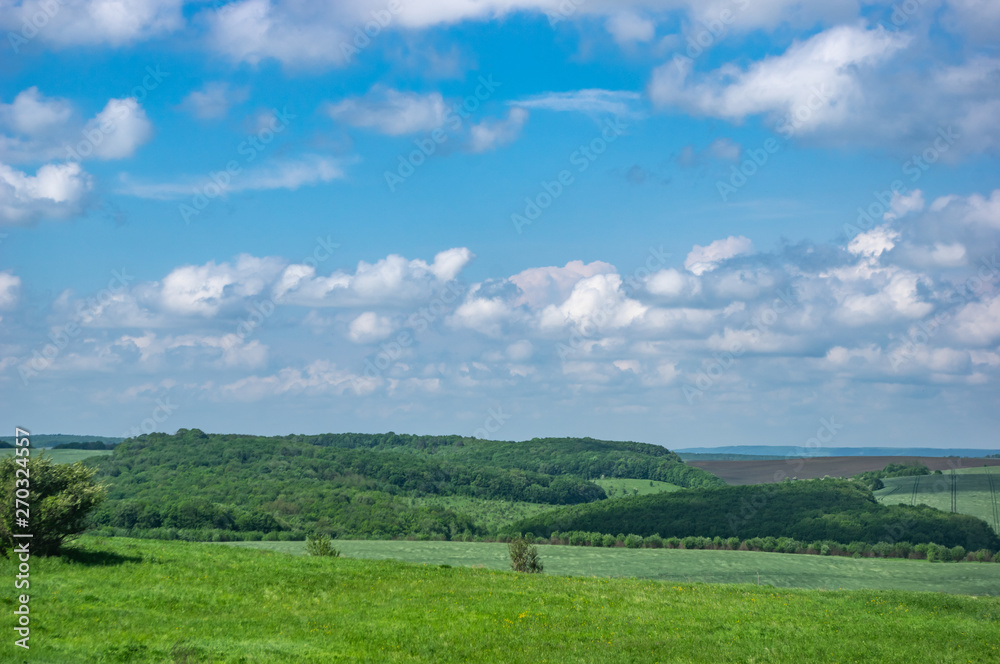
(524, 556)
(321, 545)
(59, 497)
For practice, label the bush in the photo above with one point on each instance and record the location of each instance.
(59, 498)
(654, 541)
(321, 545)
(633, 541)
(609, 540)
(524, 556)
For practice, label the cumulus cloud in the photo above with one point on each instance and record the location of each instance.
(90, 22)
(491, 134)
(627, 27)
(705, 259)
(370, 327)
(55, 191)
(392, 280)
(33, 114)
(118, 130)
(205, 289)
(819, 75)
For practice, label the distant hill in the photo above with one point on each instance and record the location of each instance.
(783, 451)
(53, 439)
(356, 485)
(837, 510)
(756, 471)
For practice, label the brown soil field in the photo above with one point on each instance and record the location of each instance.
(763, 472)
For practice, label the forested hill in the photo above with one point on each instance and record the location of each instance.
(805, 510)
(358, 484)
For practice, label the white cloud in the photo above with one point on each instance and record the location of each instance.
(978, 323)
(873, 243)
(816, 79)
(705, 259)
(291, 174)
(590, 101)
(370, 327)
(904, 204)
(55, 191)
(391, 112)
(32, 114)
(391, 280)
(671, 283)
(10, 289)
(88, 22)
(203, 290)
(214, 100)
(627, 27)
(491, 134)
(118, 130)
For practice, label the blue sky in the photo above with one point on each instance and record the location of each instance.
(510, 218)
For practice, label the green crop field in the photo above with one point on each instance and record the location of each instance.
(141, 601)
(702, 566)
(61, 456)
(973, 491)
(627, 487)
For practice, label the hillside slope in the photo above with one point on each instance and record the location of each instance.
(807, 511)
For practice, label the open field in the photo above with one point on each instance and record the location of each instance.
(61, 456)
(973, 491)
(702, 566)
(147, 601)
(626, 487)
(762, 472)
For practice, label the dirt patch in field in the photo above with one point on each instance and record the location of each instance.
(763, 472)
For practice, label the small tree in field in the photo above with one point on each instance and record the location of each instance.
(59, 497)
(524, 556)
(321, 545)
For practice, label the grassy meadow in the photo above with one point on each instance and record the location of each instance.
(60, 456)
(972, 491)
(617, 487)
(689, 566)
(119, 600)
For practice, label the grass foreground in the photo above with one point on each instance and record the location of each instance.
(120, 600)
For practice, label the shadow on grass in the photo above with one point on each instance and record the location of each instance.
(96, 558)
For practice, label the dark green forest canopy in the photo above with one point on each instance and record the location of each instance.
(358, 484)
(809, 510)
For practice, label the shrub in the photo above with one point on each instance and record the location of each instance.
(524, 556)
(654, 541)
(633, 541)
(609, 540)
(672, 542)
(61, 496)
(321, 545)
(958, 553)
(733, 543)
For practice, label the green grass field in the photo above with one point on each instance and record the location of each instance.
(626, 487)
(61, 456)
(488, 514)
(150, 601)
(701, 566)
(973, 491)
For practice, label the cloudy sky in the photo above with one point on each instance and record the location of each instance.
(679, 222)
